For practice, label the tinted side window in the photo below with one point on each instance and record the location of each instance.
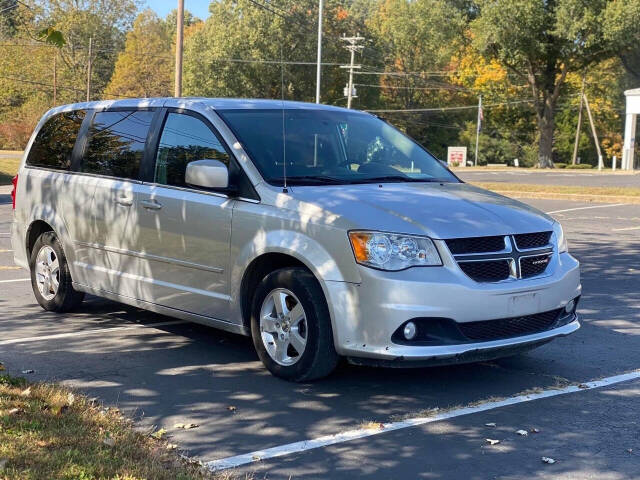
(54, 143)
(185, 139)
(116, 143)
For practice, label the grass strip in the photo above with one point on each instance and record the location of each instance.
(567, 192)
(48, 431)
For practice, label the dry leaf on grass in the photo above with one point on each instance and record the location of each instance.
(158, 434)
(26, 392)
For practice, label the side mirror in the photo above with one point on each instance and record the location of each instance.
(207, 174)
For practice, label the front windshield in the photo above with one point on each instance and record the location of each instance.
(331, 147)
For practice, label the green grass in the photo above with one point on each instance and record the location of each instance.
(8, 168)
(561, 189)
(47, 431)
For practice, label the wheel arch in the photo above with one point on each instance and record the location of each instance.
(255, 272)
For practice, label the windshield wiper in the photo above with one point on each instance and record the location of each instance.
(314, 180)
(397, 178)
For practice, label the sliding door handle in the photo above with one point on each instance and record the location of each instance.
(124, 201)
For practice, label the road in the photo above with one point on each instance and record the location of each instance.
(163, 372)
(552, 177)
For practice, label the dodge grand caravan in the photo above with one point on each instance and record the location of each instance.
(319, 231)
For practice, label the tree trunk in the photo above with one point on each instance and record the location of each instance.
(545, 144)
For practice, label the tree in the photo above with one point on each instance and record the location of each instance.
(236, 52)
(542, 41)
(145, 67)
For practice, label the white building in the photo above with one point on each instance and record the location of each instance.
(633, 110)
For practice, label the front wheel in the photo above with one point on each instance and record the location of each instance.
(50, 277)
(291, 328)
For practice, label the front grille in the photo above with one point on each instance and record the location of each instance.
(532, 240)
(486, 270)
(509, 327)
(459, 246)
(532, 266)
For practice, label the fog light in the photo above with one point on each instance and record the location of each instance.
(570, 306)
(410, 331)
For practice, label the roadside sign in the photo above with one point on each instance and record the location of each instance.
(457, 156)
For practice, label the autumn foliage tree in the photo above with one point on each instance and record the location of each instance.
(542, 41)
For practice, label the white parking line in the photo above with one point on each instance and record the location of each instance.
(624, 229)
(288, 449)
(586, 208)
(16, 280)
(88, 332)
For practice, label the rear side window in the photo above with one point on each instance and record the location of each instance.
(185, 139)
(54, 143)
(116, 143)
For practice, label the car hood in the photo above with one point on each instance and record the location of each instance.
(439, 210)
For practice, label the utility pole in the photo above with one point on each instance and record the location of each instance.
(179, 35)
(575, 145)
(89, 69)
(593, 131)
(55, 77)
(318, 67)
(478, 125)
(353, 47)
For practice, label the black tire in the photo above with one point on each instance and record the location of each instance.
(319, 358)
(66, 298)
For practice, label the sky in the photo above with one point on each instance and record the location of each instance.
(199, 8)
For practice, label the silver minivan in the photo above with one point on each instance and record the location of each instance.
(321, 232)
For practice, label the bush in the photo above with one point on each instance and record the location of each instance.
(580, 166)
(560, 165)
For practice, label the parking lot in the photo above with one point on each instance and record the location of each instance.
(591, 178)
(162, 371)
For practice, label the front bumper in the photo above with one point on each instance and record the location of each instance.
(365, 315)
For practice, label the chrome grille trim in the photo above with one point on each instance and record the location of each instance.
(510, 253)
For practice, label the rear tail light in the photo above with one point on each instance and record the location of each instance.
(14, 192)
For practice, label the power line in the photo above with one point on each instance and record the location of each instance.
(440, 109)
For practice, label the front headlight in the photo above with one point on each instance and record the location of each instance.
(392, 251)
(560, 238)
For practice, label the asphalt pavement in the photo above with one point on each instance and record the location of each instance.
(552, 177)
(162, 371)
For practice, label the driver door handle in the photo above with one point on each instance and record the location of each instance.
(151, 204)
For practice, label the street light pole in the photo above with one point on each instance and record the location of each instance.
(179, 34)
(318, 67)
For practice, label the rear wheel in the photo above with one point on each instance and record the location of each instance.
(50, 277)
(291, 328)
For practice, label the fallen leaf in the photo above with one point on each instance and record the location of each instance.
(232, 408)
(255, 458)
(171, 446)
(490, 424)
(26, 392)
(158, 434)
(71, 398)
(522, 433)
(28, 371)
(548, 460)
(186, 426)
(630, 450)
(534, 430)
(491, 441)
(15, 411)
(583, 385)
